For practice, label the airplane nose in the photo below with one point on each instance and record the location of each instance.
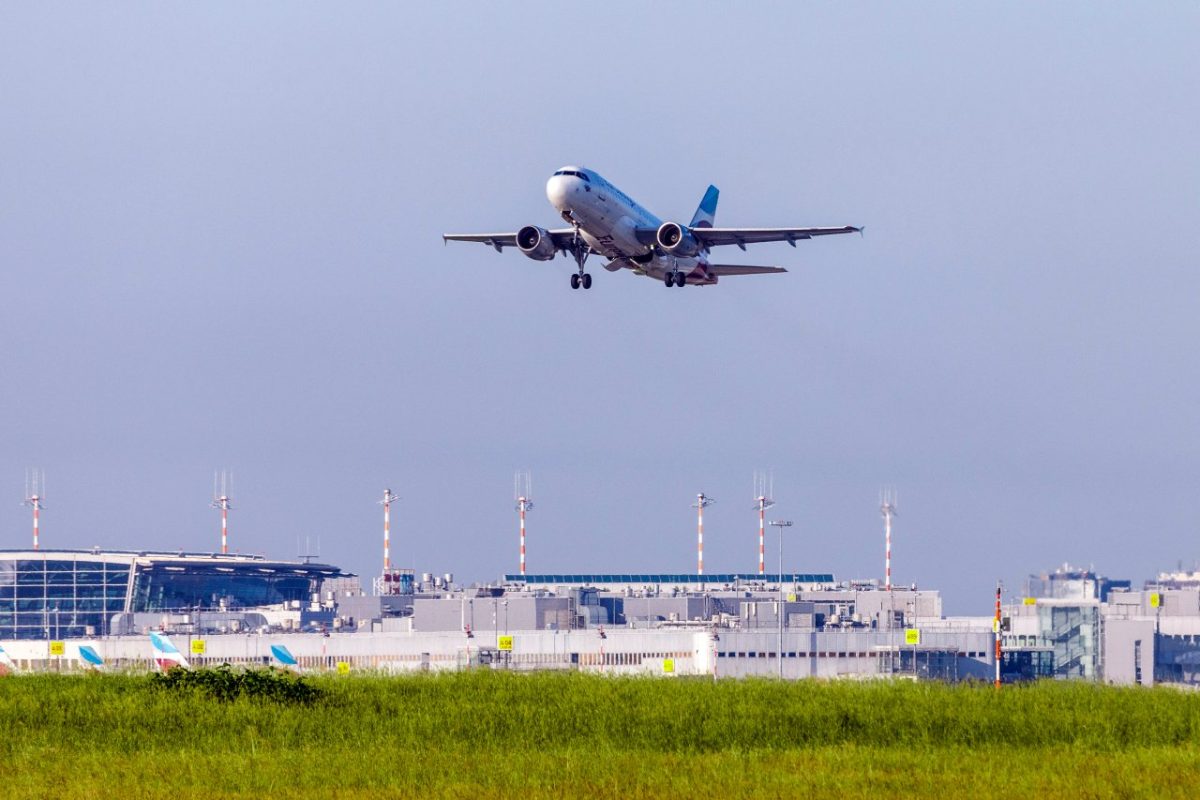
(556, 191)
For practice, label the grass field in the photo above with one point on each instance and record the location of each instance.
(487, 734)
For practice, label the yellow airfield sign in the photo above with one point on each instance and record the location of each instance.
(504, 643)
(199, 647)
(58, 648)
(912, 636)
(1155, 599)
(343, 667)
(668, 666)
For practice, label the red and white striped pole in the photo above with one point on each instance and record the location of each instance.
(388, 497)
(36, 502)
(224, 501)
(996, 627)
(762, 536)
(522, 504)
(702, 500)
(887, 559)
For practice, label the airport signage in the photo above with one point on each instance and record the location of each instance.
(668, 666)
(343, 667)
(1155, 599)
(58, 648)
(912, 636)
(504, 643)
(199, 646)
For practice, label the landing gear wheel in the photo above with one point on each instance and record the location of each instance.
(586, 280)
(680, 279)
(669, 279)
(574, 281)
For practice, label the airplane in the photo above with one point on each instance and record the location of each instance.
(166, 654)
(606, 222)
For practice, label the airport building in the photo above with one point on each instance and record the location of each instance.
(62, 594)
(1079, 625)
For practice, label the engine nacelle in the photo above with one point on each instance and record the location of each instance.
(677, 240)
(536, 243)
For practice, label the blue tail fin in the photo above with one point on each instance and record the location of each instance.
(707, 212)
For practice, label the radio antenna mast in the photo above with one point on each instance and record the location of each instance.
(35, 495)
(523, 495)
(222, 484)
(764, 489)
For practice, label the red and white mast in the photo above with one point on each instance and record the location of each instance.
(887, 507)
(702, 500)
(996, 628)
(222, 482)
(35, 495)
(522, 491)
(763, 489)
(386, 502)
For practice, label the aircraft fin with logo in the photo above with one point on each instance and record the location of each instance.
(706, 213)
(284, 656)
(7, 666)
(166, 654)
(89, 656)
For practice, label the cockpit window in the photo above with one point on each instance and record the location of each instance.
(574, 174)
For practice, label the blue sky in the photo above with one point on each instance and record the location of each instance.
(220, 247)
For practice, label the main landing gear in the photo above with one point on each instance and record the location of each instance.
(675, 279)
(580, 250)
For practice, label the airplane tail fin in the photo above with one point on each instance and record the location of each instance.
(706, 213)
(166, 654)
(88, 654)
(284, 656)
(7, 667)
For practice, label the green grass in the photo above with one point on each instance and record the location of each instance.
(486, 734)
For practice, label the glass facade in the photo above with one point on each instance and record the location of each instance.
(68, 595)
(60, 598)
(227, 586)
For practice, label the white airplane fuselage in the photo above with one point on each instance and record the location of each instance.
(608, 221)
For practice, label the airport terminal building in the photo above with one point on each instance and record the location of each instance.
(63, 594)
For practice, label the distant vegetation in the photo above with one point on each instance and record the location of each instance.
(217, 733)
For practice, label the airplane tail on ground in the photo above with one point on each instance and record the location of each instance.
(706, 213)
(89, 656)
(7, 667)
(166, 654)
(284, 656)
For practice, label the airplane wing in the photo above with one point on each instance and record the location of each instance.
(712, 237)
(741, 269)
(561, 237)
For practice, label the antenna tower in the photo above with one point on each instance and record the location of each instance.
(222, 484)
(887, 506)
(35, 495)
(702, 500)
(389, 581)
(523, 495)
(764, 489)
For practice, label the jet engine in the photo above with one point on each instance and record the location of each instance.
(677, 240)
(536, 243)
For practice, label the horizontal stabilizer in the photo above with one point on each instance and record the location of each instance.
(741, 269)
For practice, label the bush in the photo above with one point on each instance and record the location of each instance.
(226, 684)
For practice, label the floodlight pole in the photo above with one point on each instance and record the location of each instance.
(780, 524)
